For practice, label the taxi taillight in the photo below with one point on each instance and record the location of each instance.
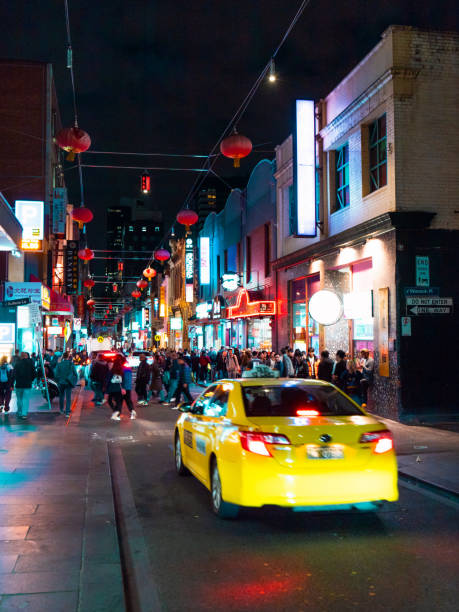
(383, 442)
(258, 443)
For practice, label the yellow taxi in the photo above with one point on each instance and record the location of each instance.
(296, 443)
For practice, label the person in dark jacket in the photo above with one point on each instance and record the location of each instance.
(98, 377)
(351, 381)
(6, 384)
(66, 377)
(115, 388)
(325, 368)
(339, 369)
(156, 384)
(204, 362)
(184, 381)
(142, 380)
(127, 387)
(173, 380)
(24, 375)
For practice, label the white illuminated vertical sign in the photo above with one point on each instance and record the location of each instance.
(304, 168)
(204, 258)
(30, 214)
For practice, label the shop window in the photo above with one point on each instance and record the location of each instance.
(378, 153)
(305, 330)
(342, 199)
(292, 212)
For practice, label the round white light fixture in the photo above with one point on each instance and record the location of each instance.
(326, 307)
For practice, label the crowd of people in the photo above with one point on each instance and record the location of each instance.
(169, 376)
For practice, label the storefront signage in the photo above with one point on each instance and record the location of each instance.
(14, 291)
(304, 168)
(30, 214)
(59, 209)
(71, 267)
(325, 307)
(189, 260)
(77, 324)
(29, 244)
(217, 306)
(23, 317)
(80, 306)
(7, 333)
(383, 324)
(45, 298)
(162, 301)
(422, 271)
(358, 305)
(230, 281)
(176, 323)
(155, 306)
(203, 310)
(204, 260)
(54, 331)
(246, 308)
(18, 302)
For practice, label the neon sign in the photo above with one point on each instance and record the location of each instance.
(304, 164)
(30, 214)
(230, 281)
(189, 260)
(204, 260)
(246, 308)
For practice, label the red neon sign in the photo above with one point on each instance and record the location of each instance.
(245, 308)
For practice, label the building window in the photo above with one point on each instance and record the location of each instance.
(248, 259)
(267, 250)
(292, 213)
(342, 177)
(378, 154)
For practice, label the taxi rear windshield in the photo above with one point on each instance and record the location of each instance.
(292, 400)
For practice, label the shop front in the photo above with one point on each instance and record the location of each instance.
(251, 319)
(58, 322)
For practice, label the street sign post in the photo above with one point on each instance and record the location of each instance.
(406, 326)
(417, 310)
(16, 302)
(422, 271)
(429, 301)
(421, 291)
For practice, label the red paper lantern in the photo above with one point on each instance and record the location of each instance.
(89, 283)
(86, 254)
(162, 255)
(187, 217)
(73, 140)
(136, 294)
(149, 273)
(141, 284)
(236, 147)
(82, 215)
(90, 303)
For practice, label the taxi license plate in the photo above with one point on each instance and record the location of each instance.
(325, 452)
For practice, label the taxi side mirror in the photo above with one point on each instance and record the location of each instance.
(184, 407)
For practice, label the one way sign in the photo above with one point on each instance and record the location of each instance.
(417, 310)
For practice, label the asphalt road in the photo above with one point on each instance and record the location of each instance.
(403, 558)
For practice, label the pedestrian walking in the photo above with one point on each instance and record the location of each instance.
(6, 384)
(24, 375)
(287, 370)
(66, 376)
(127, 387)
(232, 364)
(98, 376)
(184, 381)
(115, 388)
(325, 367)
(156, 384)
(204, 363)
(351, 381)
(173, 381)
(142, 380)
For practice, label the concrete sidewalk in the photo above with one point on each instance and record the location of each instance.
(58, 539)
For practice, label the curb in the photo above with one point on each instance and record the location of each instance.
(429, 486)
(140, 589)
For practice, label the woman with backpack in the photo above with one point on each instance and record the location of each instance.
(6, 384)
(66, 377)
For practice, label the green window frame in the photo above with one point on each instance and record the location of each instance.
(342, 199)
(378, 153)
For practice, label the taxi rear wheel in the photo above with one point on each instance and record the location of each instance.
(221, 508)
(179, 467)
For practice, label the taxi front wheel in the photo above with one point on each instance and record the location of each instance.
(180, 468)
(221, 508)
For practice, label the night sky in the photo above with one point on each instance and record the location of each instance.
(162, 76)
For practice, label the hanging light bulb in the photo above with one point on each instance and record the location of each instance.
(272, 72)
(145, 183)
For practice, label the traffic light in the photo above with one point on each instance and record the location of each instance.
(145, 183)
